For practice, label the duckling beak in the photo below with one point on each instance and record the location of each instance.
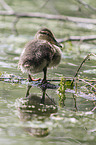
(57, 44)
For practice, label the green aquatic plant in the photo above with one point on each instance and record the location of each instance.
(82, 87)
(61, 94)
(64, 84)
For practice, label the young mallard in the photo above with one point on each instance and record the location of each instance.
(40, 53)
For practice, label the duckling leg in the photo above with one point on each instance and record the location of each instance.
(29, 78)
(32, 79)
(45, 72)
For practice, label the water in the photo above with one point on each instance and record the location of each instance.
(33, 120)
(29, 121)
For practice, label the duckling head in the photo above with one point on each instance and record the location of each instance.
(46, 34)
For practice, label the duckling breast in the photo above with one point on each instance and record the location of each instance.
(56, 57)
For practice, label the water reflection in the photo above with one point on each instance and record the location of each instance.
(36, 107)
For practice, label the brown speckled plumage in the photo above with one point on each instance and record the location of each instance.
(40, 53)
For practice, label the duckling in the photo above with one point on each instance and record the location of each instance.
(40, 53)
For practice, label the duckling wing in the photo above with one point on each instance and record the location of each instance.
(36, 56)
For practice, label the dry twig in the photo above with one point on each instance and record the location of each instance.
(6, 6)
(86, 5)
(49, 17)
(88, 84)
(44, 4)
(78, 38)
(81, 65)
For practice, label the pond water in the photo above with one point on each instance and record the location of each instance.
(43, 118)
(31, 121)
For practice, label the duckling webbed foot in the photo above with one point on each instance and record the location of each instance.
(32, 79)
(46, 84)
(44, 81)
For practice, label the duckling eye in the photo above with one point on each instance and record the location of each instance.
(42, 32)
